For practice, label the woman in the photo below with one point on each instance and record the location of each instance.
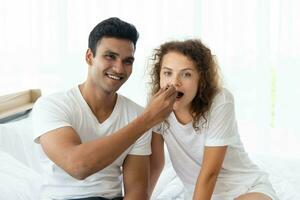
(201, 133)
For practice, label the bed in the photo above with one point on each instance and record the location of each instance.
(20, 172)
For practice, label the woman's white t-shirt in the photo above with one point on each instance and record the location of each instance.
(186, 148)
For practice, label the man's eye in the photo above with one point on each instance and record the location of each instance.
(128, 62)
(110, 56)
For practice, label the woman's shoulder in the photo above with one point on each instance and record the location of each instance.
(223, 96)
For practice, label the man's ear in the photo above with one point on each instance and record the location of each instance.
(89, 56)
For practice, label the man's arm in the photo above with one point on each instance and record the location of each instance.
(136, 177)
(64, 147)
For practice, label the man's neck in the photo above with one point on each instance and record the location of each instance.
(100, 103)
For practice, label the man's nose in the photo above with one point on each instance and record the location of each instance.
(118, 67)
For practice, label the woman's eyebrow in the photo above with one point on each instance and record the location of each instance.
(184, 69)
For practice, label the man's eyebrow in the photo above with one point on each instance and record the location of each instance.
(131, 58)
(111, 52)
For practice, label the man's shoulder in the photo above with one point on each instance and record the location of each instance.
(130, 103)
(65, 97)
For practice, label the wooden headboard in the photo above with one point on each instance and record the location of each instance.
(16, 104)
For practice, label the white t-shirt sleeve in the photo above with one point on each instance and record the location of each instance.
(47, 116)
(143, 145)
(222, 130)
(158, 128)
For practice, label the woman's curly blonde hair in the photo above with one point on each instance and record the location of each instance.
(209, 81)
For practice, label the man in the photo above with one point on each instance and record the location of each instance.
(90, 135)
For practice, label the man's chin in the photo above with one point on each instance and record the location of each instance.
(113, 87)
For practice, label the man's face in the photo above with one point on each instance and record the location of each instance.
(112, 64)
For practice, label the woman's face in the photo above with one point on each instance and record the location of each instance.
(180, 71)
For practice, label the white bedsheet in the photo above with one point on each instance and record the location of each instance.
(284, 173)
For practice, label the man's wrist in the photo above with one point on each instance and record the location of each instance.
(146, 119)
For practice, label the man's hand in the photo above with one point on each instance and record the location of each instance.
(161, 104)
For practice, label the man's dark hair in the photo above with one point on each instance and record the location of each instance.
(112, 27)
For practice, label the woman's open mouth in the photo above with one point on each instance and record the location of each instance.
(179, 95)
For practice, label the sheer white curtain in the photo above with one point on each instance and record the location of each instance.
(258, 47)
(43, 43)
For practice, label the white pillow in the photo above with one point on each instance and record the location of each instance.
(16, 140)
(17, 181)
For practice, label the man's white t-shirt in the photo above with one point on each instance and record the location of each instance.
(70, 109)
(186, 148)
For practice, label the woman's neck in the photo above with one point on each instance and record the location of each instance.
(183, 116)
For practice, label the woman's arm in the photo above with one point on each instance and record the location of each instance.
(211, 165)
(157, 159)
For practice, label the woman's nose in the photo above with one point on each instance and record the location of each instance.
(176, 81)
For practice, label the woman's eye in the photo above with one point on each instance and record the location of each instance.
(167, 73)
(186, 75)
